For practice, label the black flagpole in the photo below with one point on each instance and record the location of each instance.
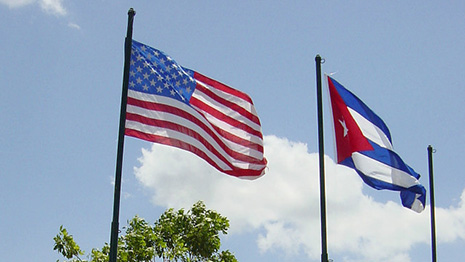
(324, 249)
(119, 158)
(431, 192)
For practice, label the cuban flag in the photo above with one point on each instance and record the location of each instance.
(363, 142)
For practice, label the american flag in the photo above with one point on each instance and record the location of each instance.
(173, 105)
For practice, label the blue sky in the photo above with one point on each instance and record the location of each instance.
(61, 73)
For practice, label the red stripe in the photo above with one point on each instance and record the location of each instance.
(229, 104)
(222, 87)
(238, 140)
(171, 142)
(238, 172)
(176, 111)
(169, 125)
(182, 129)
(223, 117)
(192, 133)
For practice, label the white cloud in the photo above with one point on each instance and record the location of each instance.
(452, 226)
(16, 3)
(74, 26)
(284, 204)
(54, 7)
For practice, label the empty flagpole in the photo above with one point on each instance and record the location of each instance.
(119, 157)
(321, 150)
(431, 190)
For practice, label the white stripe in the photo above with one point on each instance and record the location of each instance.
(371, 131)
(184, 122)
(234, 99)
(210, 119)
(175, 135)
(158, 115)
(172, 134)
(417, 205)
(233, 130)
(375, 169)
(224, 109)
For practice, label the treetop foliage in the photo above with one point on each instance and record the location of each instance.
(177, 236)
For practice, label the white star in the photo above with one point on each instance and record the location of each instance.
(344, 126)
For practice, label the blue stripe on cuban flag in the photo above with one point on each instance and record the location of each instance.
(358, 106)
(376, 162)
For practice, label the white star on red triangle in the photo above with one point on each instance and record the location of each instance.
(344, 126)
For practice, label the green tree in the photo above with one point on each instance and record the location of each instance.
(183, 236)
(191, 236)
(64, 244)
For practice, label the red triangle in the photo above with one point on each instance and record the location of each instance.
(349, 137)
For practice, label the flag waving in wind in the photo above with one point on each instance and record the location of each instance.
(363, 142)
(175, 106)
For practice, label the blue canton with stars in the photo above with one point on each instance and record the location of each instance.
(154, 72)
